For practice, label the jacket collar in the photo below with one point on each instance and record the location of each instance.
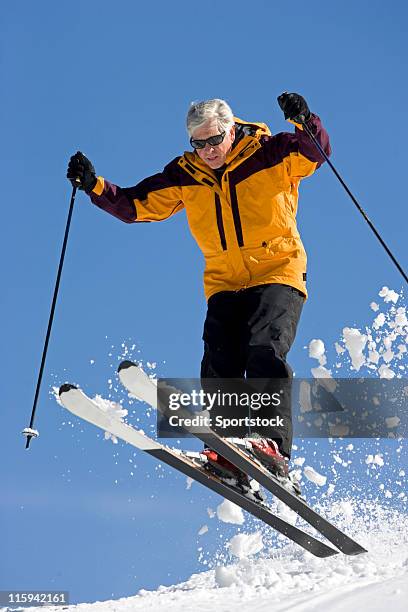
(247, 145)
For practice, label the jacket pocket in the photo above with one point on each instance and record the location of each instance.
(216, 268)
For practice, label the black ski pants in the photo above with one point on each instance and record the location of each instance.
(247, 334)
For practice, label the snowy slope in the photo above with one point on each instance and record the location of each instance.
(291, 580)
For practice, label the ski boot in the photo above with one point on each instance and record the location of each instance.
(231, 475)
(267, 452)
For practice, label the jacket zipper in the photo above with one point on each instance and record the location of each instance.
(235, 215)
(235, 208)
(220, 223)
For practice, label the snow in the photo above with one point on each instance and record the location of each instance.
(379, 320)
(321, 372)
(355, 342)
(225, 576)
(230, 513)
(314, 476)
(305, 397)
(244, 545)
(392, 421)
(375, 459)
(285, 513)
(386, 372)
(344, 509)
(401, 317)
(317, 350)
(339, 430)
(375, 350)
(389, 295)
(289, 579)
(114, 410)
(339, 349)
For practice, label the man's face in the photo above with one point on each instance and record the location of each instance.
(214, 156)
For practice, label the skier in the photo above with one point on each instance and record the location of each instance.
(239, 187)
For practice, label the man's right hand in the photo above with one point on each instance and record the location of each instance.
(81, 172)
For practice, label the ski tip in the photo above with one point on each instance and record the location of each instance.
(66, 387)
(357, 550)
(124, 365)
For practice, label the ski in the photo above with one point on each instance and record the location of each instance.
(139, 384)
(79, 404)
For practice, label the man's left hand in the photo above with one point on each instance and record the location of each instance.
(294, 107)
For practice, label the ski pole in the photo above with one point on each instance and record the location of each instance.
(29, 432)
(359, 208)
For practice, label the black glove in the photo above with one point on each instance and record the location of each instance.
(294, 107)
(80, 168)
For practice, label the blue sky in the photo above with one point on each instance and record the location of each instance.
(115, 80)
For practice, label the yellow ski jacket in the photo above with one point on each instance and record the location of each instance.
(244, 221)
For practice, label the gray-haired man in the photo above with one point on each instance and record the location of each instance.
(239, 187)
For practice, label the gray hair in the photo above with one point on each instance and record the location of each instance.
(201, 112)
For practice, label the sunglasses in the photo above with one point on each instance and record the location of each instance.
(212, 141)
